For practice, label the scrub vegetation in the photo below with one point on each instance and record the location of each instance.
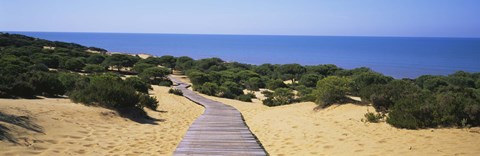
(31, 67)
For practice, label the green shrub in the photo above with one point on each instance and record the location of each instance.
(281, 96)
(254, 83)
(95, 59)
(175, 91)
(46, 84)
(208, 88)
(373, 117)
(148, 101)
(166, 83)
(106, 91)
(233, 88)
(138, 84)
(22, 89)
(291, 71)
(366, 79)
(69, 80)
(197, 78)
(412, 111)
(461, 81)
(93, 68)
(305, 93)
(381, 102)
(225, 93)
(310, 80)
(435, 84)
(140, 67)
(244, 98)
(74, 64)
(38, 67)
(332, 90)
(120, 60)
(274, 84)
(184, 63)
(251, 95)
(383, 97)
(154, 75)
(167, 61)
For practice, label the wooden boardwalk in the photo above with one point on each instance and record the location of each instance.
(220, 130)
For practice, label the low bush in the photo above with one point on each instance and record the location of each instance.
(22, 89)
(332, 90)
(254, 83)
(140, 67)
(93, 68)
(69, 80)
(166, 83)
(106, 91)
(46, 84)
(38, 67)
(208, 88)
(373, 117)
(175, 91)
(281, 96)
(138, 84)
(148, 101)
(251, 95)
(73, 64)
(244, 98)
(305, 93)
(274, 84)
(154, 75)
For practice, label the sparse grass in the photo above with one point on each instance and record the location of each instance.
(374, 117)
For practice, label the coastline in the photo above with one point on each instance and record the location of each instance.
(393, 56)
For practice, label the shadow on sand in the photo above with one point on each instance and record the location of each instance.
(139, 116)
(21, 121)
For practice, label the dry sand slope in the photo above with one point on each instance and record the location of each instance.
(74, 129)
(338, 130)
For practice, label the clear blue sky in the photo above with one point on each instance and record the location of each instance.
(427, 18)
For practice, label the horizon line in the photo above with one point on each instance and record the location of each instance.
(225, 34)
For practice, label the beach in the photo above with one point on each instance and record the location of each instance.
(75, 129)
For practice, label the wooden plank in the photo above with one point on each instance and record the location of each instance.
(220, 130)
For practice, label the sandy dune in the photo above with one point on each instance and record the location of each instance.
(74, 129)
(297, 129)
(338, 130)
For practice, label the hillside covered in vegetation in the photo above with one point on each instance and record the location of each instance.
(31, 67)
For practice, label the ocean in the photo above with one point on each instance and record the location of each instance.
(399, 57)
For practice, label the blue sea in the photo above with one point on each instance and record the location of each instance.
(400, 57)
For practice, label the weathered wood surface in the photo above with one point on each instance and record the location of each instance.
(220, 130)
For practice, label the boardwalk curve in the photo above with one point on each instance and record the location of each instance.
(220, 130)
